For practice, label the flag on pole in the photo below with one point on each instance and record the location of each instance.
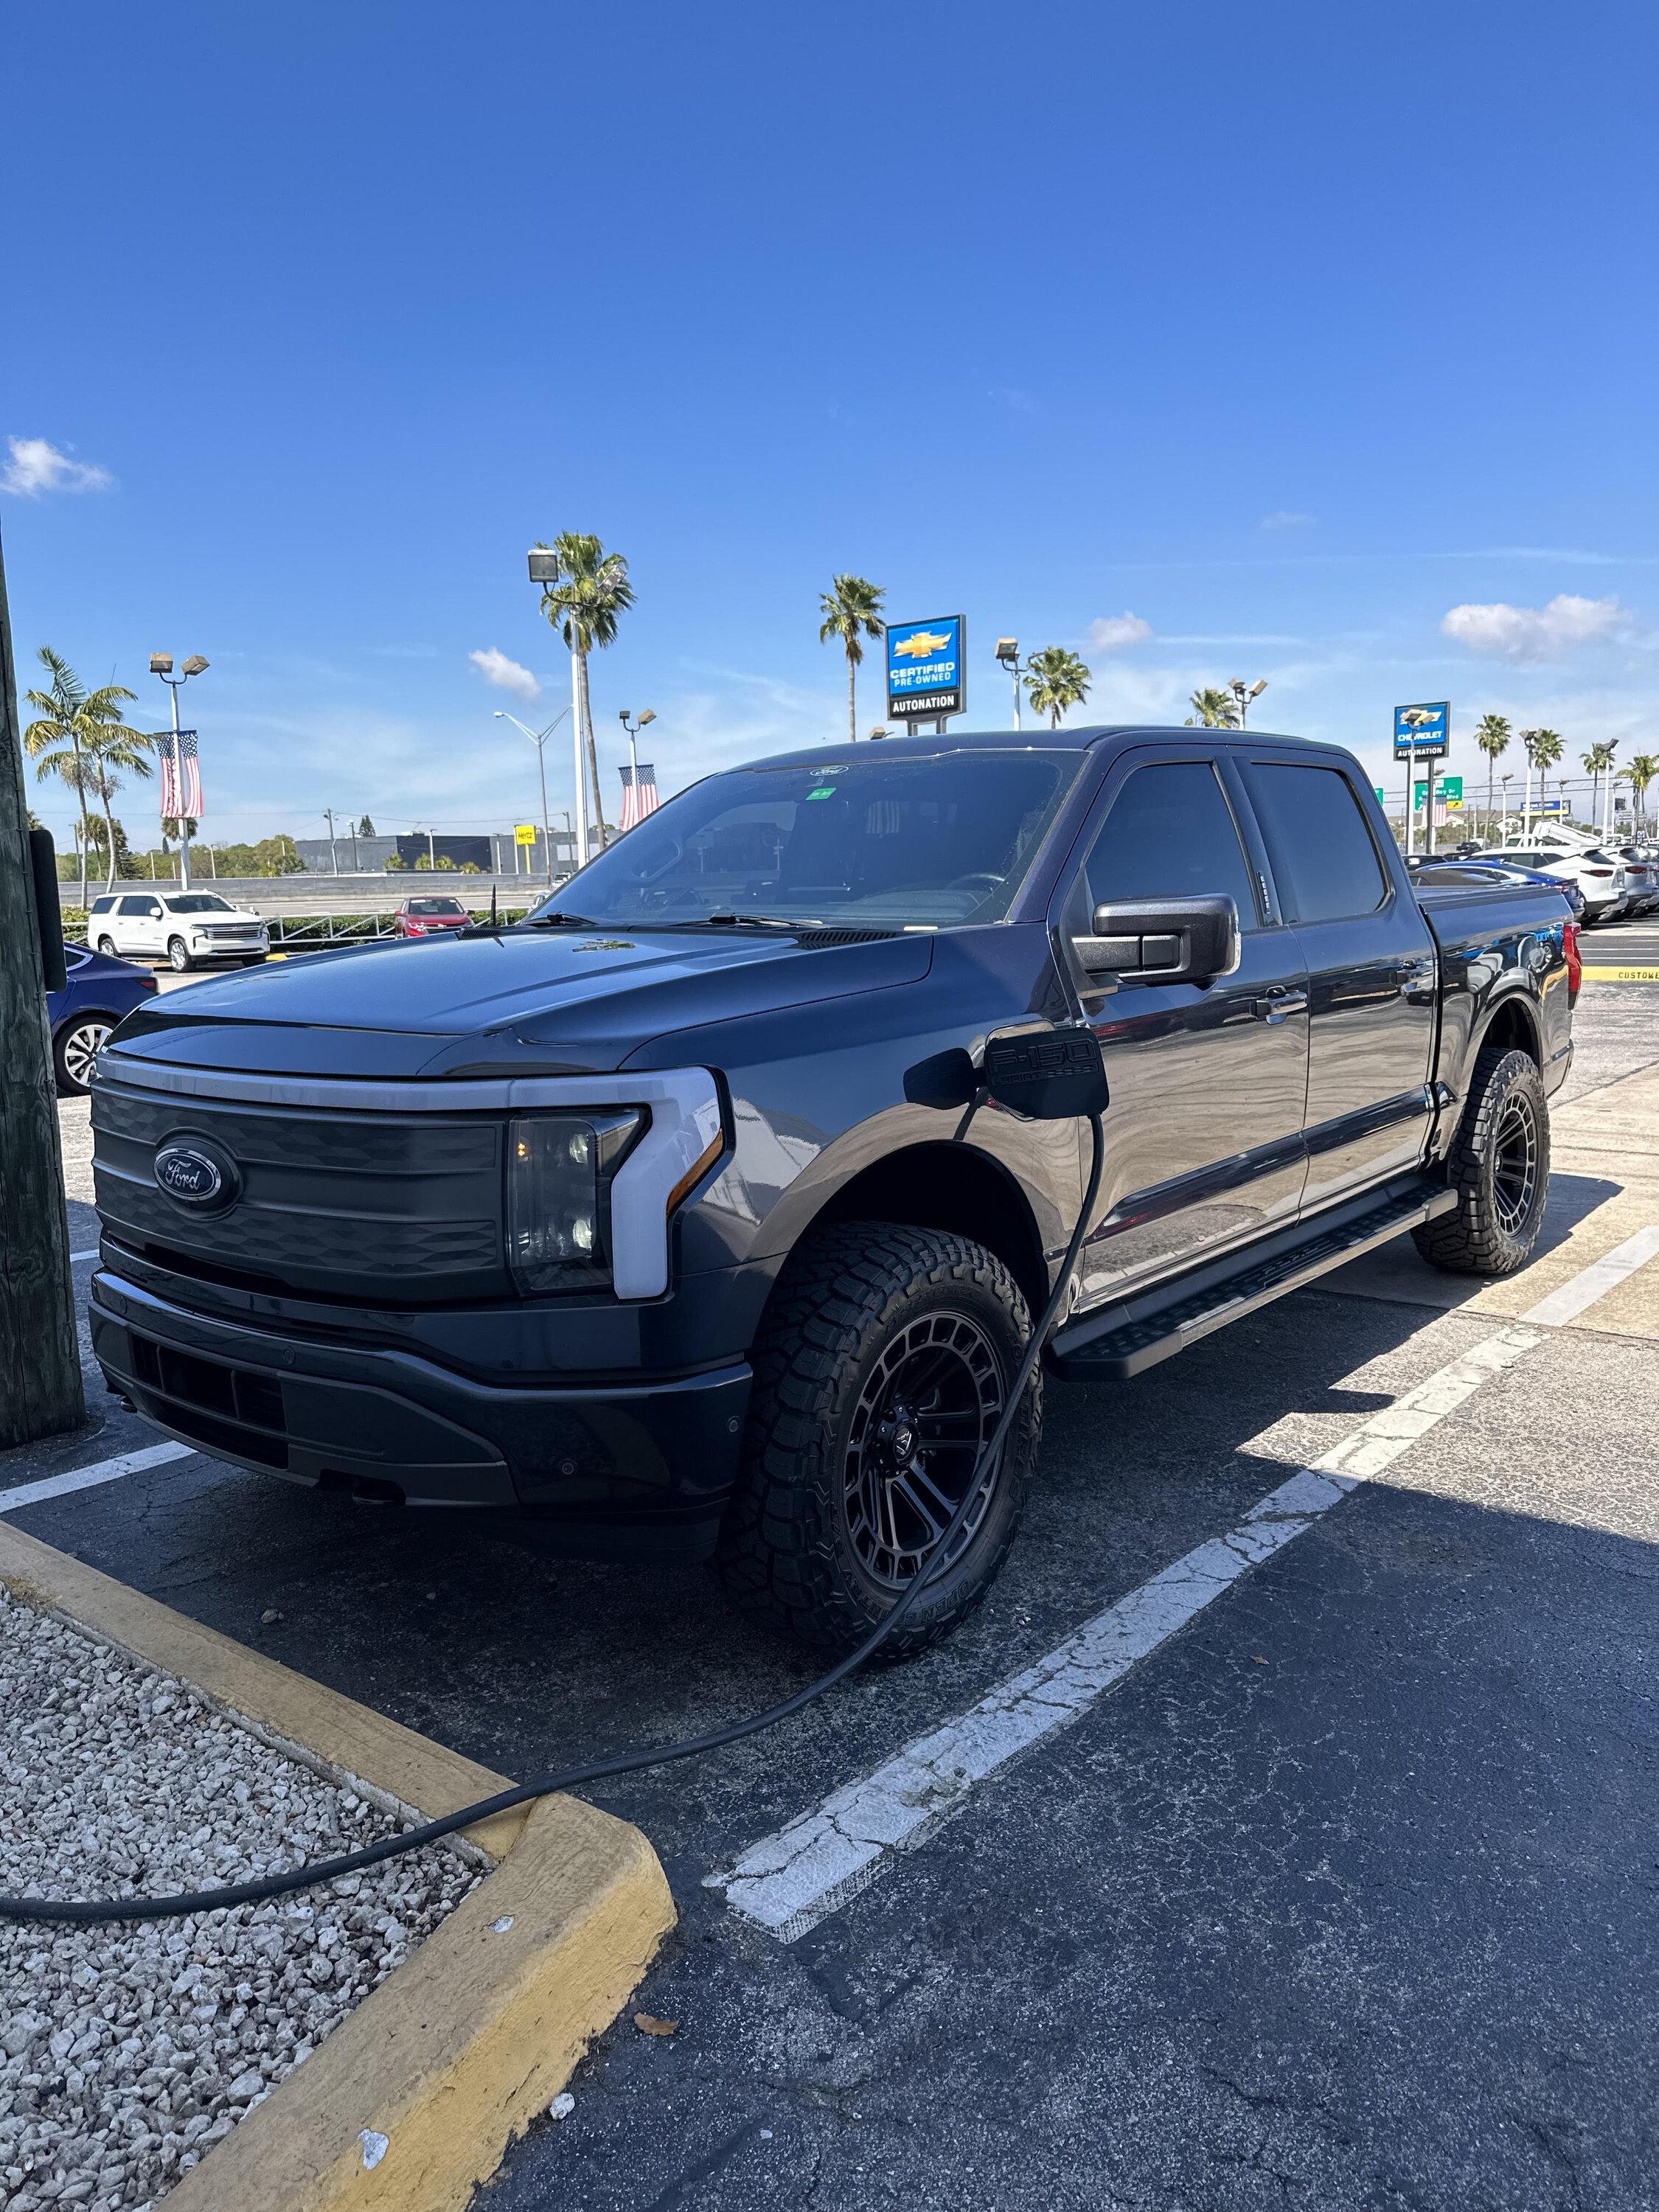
(181, 774)
(638, 800)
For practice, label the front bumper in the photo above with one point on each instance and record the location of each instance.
(623, 1465)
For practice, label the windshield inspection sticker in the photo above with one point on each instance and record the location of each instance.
(823, 791)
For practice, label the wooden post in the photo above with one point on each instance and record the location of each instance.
(39, 1354)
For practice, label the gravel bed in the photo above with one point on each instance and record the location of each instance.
(127, 2052)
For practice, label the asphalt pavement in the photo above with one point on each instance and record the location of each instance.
(1342, 1894)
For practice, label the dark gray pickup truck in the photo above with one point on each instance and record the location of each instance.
(647, 1219)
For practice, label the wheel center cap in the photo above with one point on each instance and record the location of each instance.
(904, 1443)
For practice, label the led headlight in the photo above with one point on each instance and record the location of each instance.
(559, 1168)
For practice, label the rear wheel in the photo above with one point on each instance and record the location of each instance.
(177, 954)
(884, 1365)
(1500, 1168)
(107, 946)
(79, 1043)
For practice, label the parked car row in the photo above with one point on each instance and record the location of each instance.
(1448, 871)
(185, 928)
(1619, 882)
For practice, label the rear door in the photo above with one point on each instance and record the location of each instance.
(1372, 972)
(138, 923)
(1208, 1080)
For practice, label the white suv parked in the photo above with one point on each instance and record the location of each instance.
(181, 927)
(1602, 878)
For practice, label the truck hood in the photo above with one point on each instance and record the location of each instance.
(548, 1001)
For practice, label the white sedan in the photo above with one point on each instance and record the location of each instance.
(181, 927)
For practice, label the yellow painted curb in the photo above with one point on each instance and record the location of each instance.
(456, 2052)
(1621, 974)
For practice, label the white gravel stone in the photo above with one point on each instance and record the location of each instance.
(127, 2052)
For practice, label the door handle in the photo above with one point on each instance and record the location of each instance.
(1279, 1002)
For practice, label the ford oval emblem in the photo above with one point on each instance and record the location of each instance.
(197, 1173)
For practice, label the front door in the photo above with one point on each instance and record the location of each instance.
(1208, 1080)
(1371, 975)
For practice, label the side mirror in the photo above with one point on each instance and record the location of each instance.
(1174, 940)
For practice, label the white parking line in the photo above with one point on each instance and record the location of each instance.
(796, 1877)
(89, 1478)
(75, 1258)
(1594, 1281)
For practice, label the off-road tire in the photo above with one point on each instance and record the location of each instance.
(1481, 1236)
(786, 1551)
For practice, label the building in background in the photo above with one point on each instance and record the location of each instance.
(495, 853)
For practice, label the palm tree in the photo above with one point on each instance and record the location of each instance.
(593, 590)
(1643, 770)
(111, 748)
(1544, 748)
(1055, 679)
(1599, 760)
(1215, 709)
(74, 725)
(1492, 734)
(852, 612)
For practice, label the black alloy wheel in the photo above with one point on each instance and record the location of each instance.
(1499, 1167)
(928, 1405)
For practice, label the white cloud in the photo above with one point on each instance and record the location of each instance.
(1113, 632)
(1533, 633)
(36, 465)
(505, 675)
(1285, 518)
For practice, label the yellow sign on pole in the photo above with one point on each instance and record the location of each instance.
(524, 834)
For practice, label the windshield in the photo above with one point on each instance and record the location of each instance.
(436, 906)
(200, 902)
(896, 842)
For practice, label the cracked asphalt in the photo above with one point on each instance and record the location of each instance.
(1344, 1897)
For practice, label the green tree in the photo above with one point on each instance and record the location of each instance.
(1215, 709)
(1492, 734)
(365, 828)
(1643, 770)
(1599, 760)
(74, 722)
(1055, 679)
(583, 607)
(852, 612)
(1544, 748)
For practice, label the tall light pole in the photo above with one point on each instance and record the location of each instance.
(633, 729)
(538, 738)
(1008, 654)
(161, 664)
(544, 574)
(1244, 693)
(1528, 739)
(334, 857)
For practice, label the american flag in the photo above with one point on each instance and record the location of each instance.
(638, 799)
(181, 774)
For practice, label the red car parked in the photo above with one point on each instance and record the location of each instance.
(425, 917)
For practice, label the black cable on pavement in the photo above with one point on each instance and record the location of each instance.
(95, 1911)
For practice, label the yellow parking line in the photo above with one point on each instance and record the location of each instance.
(1621, 974)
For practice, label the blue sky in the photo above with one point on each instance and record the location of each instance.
(1289, 332)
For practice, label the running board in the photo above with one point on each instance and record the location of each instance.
(1102, 1353)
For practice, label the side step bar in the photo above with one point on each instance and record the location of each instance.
(1097, 1351)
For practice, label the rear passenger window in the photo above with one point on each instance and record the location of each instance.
(1170, 832)
(1317, 840)
(103, 906)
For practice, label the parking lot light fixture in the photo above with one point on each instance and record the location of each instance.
(538, 738)
(1244, 693)
(633, 729)
(1008, 654)
(161, 664)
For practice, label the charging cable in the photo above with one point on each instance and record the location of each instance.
(95, 1911)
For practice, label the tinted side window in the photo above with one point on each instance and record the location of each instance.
(1170, 831)
(1320, 848)
(137, 905)
(103, 906)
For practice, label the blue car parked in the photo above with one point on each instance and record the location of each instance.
(98, 991)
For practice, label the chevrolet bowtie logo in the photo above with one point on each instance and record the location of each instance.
(922, 643)
(1418, 717)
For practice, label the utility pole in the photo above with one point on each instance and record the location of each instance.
(40, 1393)
(334, 857)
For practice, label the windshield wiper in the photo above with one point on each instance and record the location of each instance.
(750, 921)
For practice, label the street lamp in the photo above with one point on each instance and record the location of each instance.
(538, 739)
(1244, 693)
(161, 664)
(545, 573)
(1008, 654)
(633, 729)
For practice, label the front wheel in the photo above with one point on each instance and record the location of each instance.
(79, 1043)
(1499, 1167)
(177, 954)
(882, 1367)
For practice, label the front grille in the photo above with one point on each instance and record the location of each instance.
(404, 1209)
(229, 1407)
